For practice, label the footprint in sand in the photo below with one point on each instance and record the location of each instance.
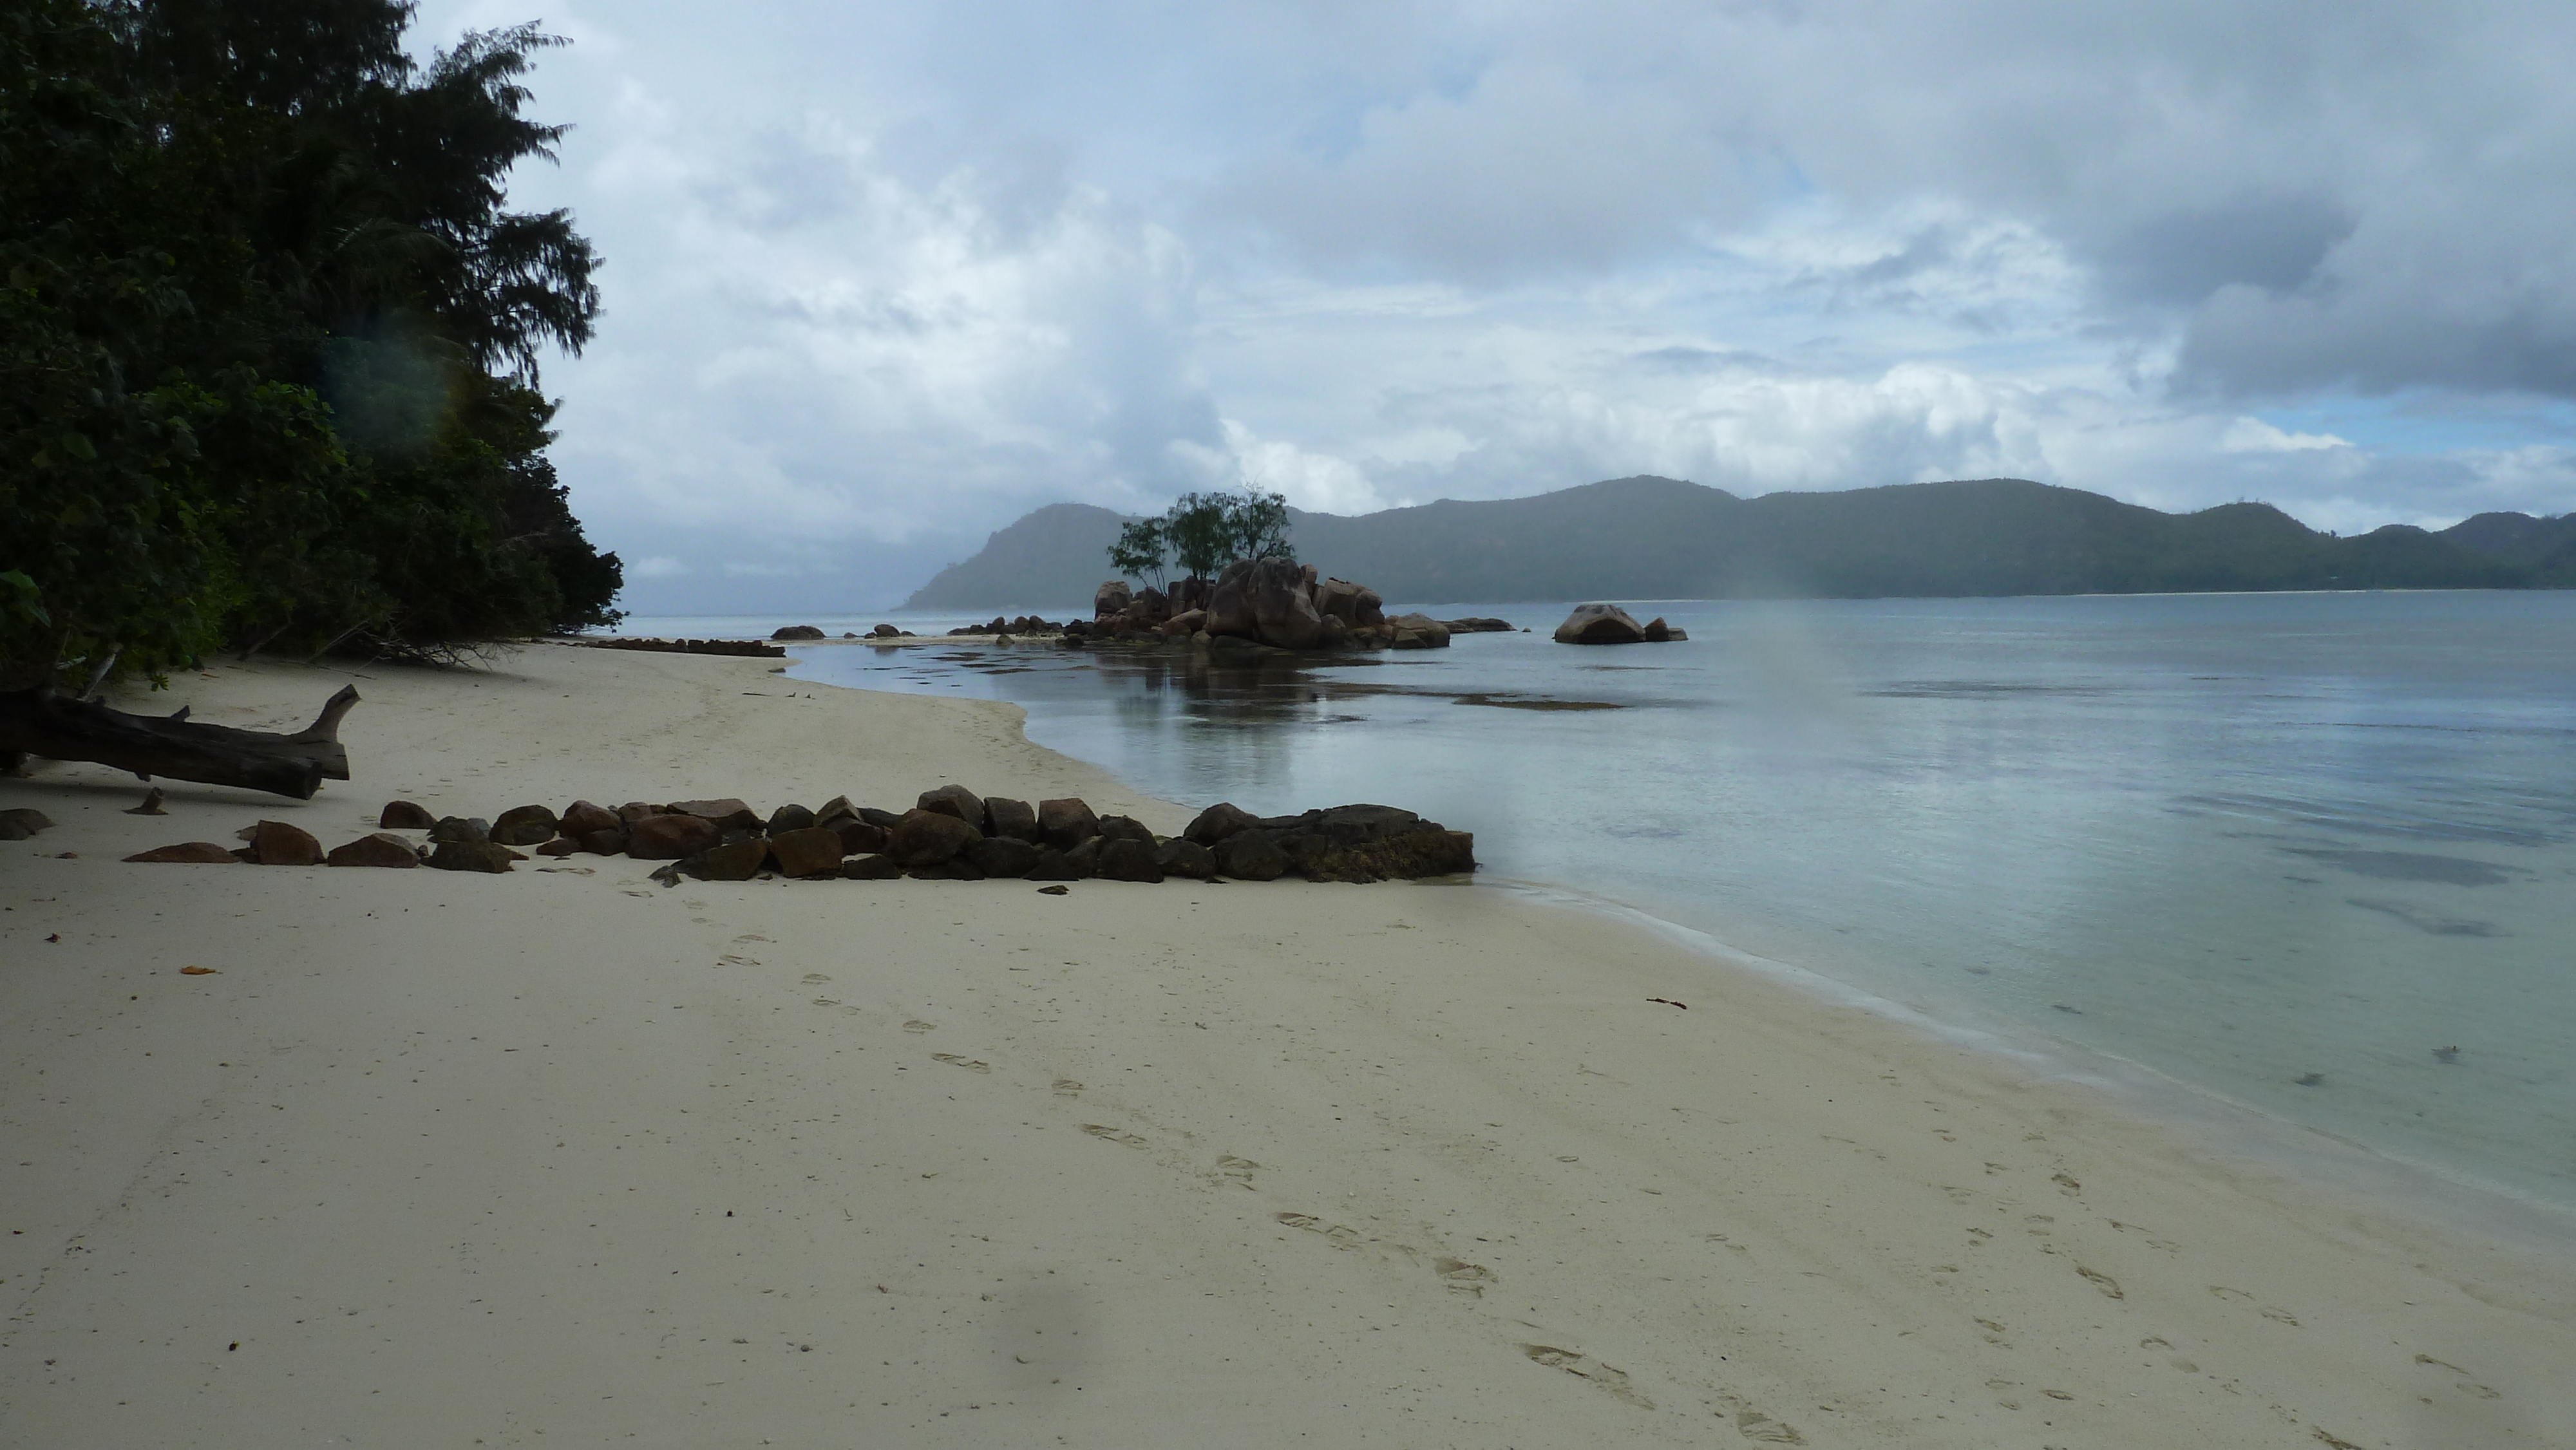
(1237, 1171)
(1339, 1236)
(730, 959)
(2109, 1286)
(2273, 1312)
(1583, 1366)
(815, 978)
(953, 1060)
(1464, 1278)
(1066, 1087)
(1994, 1329)
(1756, 1426)
(917, 1025)
(2066, 1184)
(2466, 1384)
(1113, 1135)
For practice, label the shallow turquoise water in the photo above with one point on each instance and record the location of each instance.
(2281, 848)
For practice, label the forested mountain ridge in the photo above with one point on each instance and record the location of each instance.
(1660, 538)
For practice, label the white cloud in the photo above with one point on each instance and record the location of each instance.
(2253, 435)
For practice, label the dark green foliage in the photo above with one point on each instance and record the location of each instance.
(268, 343)
(1203, 532)
(1140, 550)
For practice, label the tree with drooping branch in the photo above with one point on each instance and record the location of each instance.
(1202, 533)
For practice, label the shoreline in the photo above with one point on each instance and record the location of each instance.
(2318, 1159)
(1434, 1154)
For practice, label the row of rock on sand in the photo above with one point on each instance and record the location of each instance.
(951, 834)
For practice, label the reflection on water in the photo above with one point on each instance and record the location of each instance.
(2316, 853)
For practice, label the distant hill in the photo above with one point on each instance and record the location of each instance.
(1052, 558)
(1659, 538)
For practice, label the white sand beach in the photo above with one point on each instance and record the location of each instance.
(565, 1157)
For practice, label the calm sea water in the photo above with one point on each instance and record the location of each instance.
(2310, 854)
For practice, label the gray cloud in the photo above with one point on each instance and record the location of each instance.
(882, 277)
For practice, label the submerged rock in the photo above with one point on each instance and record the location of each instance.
(1600, 624)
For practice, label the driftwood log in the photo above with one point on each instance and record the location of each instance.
(57, 727)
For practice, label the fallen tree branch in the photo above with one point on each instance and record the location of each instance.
(41, 722)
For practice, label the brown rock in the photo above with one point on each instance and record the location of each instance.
(1006, 817)
(1218, 822)
(1185, 858)
(875, 817)
(1338, 599)
(559, 847)
(1055, 865)
(732, 861)
(1111, 599)
(727, 813)
(858, 837)
(634, 811)
(1418, 631)
(669, 838)
(1229, 606)
(1122, 859)
(603, 843)
(835, 810)
(1600, 624)
(405, 816)
(809, 851)
(191, 853)
(489, 856)
(927, 838)
(955, 800)
(1066, 822)
(870, 868)
(1147, 610)
(461, 828)
(1001, 856)
(1185, 623)
(275, 843)
(789, 818)
(151, 806)
(1125, 828)
(1281, 608)
(524, 826)
(581, 818)
(797, 631)
(380, 848)
(27, 819)
(1250, 856)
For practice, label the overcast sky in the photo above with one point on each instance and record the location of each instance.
(883, 277)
